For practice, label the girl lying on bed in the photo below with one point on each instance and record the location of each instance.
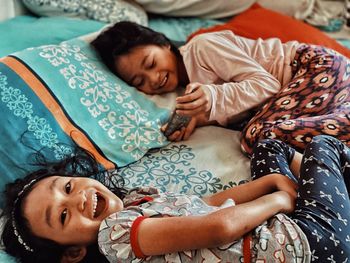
(293, 91)
(53, 215)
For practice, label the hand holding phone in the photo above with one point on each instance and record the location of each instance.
(175, 123)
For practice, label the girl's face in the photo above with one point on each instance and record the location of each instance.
(69, 210)
(151, 69)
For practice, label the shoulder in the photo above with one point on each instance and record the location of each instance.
(213, 37)
(210, 42)
(114, 237)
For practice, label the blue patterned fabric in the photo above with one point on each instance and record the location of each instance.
(116, 116)
(25, 122)
(174, 168)
(52, 93)
(109, 11)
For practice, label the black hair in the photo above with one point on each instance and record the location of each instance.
(123, 36)
(80, 164)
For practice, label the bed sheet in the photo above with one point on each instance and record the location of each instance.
(208, 162)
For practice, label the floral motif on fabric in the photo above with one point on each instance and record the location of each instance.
(169, 168)
(21, 107)
(128, 123)
(102, 10)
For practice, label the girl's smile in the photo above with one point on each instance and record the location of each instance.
(151, 69)
(69, 210)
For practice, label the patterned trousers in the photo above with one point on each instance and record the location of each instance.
(316, 101)
(323, 204)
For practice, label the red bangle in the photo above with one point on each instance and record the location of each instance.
(134, 237)
(246, 248)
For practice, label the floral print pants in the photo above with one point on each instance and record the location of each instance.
(323, 204)
(316, 101)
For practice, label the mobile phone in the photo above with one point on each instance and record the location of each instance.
(175, 123)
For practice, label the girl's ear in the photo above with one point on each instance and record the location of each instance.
(74, 254)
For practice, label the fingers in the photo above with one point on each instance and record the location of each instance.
(177, 135)
(184, 133)
(190, 128)
(193, 103)
(192, 113)
(190, 97)
(191, 87)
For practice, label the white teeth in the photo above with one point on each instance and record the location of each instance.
(94, 204)
(164, 81)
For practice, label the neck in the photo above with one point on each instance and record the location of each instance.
(182, 73)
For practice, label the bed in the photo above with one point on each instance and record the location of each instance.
(56, 92)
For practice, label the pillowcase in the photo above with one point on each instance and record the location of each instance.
(52, 96)
(259, 22)
(200, 8)
(110, 11)
(30, 31)
(179, 29)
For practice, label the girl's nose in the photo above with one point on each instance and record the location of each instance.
(154, 79)
(79, 200)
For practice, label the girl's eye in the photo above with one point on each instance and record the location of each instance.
(140, 83)
(63, 216)
(67, 188)
(150, 64)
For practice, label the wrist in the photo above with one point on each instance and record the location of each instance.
(208, 93)
(282, 202)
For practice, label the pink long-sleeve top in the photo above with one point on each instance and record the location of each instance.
(240, 73)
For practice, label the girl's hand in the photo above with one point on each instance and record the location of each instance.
(197, 100)
(184, 133)
(286, 202)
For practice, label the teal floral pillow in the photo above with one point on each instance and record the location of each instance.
(109, 11)
(56, 95)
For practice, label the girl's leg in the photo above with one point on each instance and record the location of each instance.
(271, 156)
(320, 87)
(323, 204)
(298, 132)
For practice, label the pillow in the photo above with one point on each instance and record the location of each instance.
(29, 31)
(200, 8)
(179, 29)
(53, 95)
(110, 11)
(259, 22)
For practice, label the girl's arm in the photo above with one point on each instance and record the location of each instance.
(266, 154)
(233, 82)
(252, 190)
(157, 236)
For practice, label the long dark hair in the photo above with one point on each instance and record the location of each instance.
(123, 36)
(79, 164)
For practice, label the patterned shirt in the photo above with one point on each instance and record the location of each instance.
(276, 239)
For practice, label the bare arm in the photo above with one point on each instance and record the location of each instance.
(158, 236)
(257, 188)
(243, 193)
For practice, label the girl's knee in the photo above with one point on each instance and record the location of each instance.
(267, 144)
(320, 140)
(324, 146)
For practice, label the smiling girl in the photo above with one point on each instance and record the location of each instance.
(289, 91)
(53, 215)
